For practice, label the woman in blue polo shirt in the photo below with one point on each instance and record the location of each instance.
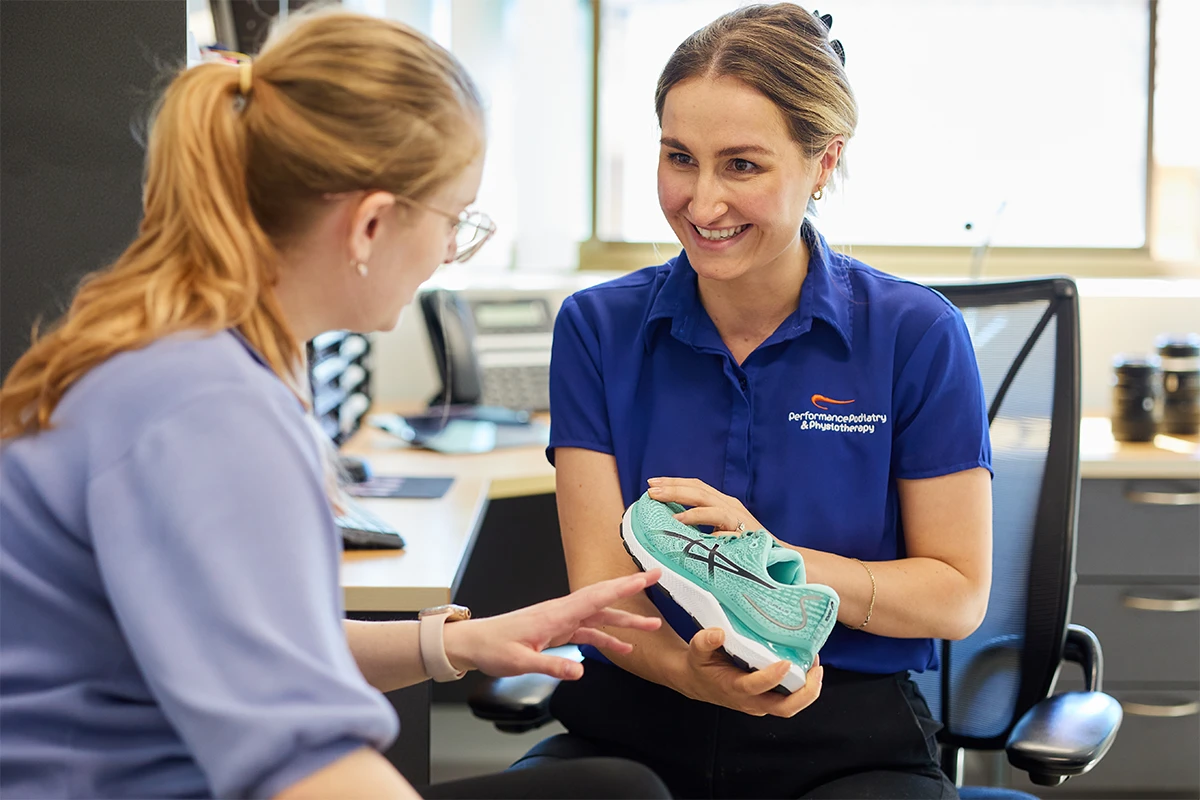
(170, 614)
(767, 381)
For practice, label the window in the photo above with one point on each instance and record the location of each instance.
(532, 61)
(1025, 118)
(1175, 224)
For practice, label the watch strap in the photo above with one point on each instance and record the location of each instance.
(433, 648)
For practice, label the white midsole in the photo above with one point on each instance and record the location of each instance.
(708, 612)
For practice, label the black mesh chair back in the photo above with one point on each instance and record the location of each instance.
(1026, 340)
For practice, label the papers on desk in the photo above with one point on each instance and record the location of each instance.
(399, 486)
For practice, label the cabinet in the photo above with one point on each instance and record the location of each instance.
(1138, 589)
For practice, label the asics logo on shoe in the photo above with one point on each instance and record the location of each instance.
(817, 399)
(803, 612)
(714, 559)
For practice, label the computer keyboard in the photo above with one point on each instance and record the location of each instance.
(362, 530)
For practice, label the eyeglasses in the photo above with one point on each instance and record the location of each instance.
(472, 228)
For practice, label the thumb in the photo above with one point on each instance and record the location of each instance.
(708, 640)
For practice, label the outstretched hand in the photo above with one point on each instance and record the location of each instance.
(512, 643)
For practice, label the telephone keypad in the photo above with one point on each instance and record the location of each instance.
(523, 387)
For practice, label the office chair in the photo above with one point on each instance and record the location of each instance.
(992, 690)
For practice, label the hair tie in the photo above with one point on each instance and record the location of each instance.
(245, 76)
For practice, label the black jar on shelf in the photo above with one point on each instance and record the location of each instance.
(1179, 358)
(1137, 398)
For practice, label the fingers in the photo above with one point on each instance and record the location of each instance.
(556, 621)
(777, 705)
(690, 483)
(685, 491)
(750, 692)
(802, 698)
(583, 603)
(617, 618)
(708, 506)
(761, 681)
(721, 519)
(602, 640)
(554, 666)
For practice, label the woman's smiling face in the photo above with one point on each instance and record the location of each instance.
(732, 182)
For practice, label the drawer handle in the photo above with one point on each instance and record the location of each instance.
(1161, 603)
(1185, 709)
(1164, 498)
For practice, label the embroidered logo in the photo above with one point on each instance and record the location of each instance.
(830, 419)
(818, 399)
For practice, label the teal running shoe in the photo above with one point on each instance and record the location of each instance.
(749, 585)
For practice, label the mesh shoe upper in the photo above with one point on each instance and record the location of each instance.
(757, 579)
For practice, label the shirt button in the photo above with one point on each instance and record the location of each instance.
(742, 383)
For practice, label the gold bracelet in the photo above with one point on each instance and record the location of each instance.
(871, 607)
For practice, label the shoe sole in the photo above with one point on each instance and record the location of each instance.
(706, 611)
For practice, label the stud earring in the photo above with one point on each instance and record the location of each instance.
(819, 193)
(361, 266)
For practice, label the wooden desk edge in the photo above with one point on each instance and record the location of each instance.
(524, 486)
(1138, 470)
(411, 599)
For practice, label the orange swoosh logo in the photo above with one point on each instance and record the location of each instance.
(817, 399)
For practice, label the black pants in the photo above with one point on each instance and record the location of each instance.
(867, 736)
(586, 779)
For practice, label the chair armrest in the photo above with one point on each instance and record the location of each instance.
(1083, 648)
(520, 703)
(1067, 734)
(1064, 735)
(515, 705)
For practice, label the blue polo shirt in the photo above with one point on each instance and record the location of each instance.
(872, 379)
(170, 610)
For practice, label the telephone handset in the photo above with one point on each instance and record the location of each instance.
(492, 347)
(452, 336)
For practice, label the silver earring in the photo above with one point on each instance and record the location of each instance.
(361, 266)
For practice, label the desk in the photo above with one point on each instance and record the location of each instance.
(441, 533)
(1166, 458)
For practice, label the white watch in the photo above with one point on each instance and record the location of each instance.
(433, 645)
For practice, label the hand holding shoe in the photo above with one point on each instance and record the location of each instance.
(713, 678)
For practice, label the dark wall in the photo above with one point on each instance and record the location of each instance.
(76, 77)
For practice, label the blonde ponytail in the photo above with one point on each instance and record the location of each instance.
(200, 260)
(236, 164)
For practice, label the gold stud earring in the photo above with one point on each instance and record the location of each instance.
(361, 266)
(819, 193)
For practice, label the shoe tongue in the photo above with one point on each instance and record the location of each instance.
(784, 565)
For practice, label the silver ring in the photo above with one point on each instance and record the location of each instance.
(741, 527)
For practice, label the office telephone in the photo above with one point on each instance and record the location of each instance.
(491, 348)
